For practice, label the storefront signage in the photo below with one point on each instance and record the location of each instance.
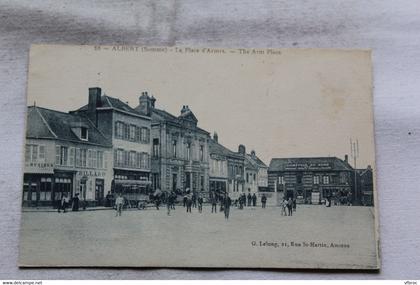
(39, 167)
(91, 173)
(308, 166)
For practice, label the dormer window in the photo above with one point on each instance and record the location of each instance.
(84, 133)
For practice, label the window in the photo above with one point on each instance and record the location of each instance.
(174, 148)
(77, 157)
(155, 147)
(83, 157)
(100, 159)
(132, 132)
(188, 151)
(299, 179)
(84, 134)
(316, 179)
(202, 183)
(71, 156)
(94, 159)
(64, 155)
(325, 180)
(240, 170)
(143, 135)
(281, 180)
(89, 162)
(126, 158)
(41, 153)
(132, 159)
(45, 189)
(119, 130)
(254, 177)
(201, 153)
(34, 153)
(247, 178)
(137, 134)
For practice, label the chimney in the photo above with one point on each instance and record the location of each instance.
(94, 98)
(346, 158)
(215, 137)
(152, 101)
(241, 149)
(184, 109)
(145, 103)
(253, 153)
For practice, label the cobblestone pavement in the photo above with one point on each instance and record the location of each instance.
(252, 237)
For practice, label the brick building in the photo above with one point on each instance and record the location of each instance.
(129, 133)
(64, 154)
(301, 177)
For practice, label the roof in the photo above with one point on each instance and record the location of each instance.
(218, 149)
(114, 103)
(165, 116)
(50, 124)
(258, 161)
(308, 163)
(250, 163)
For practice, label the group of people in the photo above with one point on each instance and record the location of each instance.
(290, 205)
(65, 202)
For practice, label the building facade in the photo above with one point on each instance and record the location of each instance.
(65, 154)
(180, 149)
(312, 179)
(365, 186)
(129, 133)
(218, 174)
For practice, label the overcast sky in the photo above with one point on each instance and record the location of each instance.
(300, 103)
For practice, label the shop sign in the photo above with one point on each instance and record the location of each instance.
(308, 166)
(39, 167)
(89, 173)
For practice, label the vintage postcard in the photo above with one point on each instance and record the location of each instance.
(199, 157)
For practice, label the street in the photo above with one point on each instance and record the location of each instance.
(252, 237)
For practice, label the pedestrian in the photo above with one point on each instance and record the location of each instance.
(169, 204)
(189, 203)
(200, 204)
(328, 203)
(119, 202)
(294, 205)
(263, 200)
(283, 207)
(290, 206)
(63, 203)
(213, 203)
(222, 203)
(249, 198)
(254, 200)
(184, 200)
(194, 200)
(173, 200)
(75, 201)
(241, 203)
(227, 203)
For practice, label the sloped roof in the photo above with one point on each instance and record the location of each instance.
(284, 164)
(250, 163)
(217, 148)
(46, 123)
(255, 161)
(114, 103)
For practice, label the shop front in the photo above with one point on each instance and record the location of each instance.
(134, 185)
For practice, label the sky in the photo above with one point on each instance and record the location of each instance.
(280, 103)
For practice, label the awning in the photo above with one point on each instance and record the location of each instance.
(133, 182)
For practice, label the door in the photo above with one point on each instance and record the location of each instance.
(99, 191)
(174, 181)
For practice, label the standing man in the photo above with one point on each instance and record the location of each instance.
(194, 200)
(119, 202)
(169, 204)
(254, 200)
(213, 203)
(227, 203)
(200, 204)
(75, 206)
(290, 206)
(283, 207)
(189, 202)
(263, 200)
(249, 198)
